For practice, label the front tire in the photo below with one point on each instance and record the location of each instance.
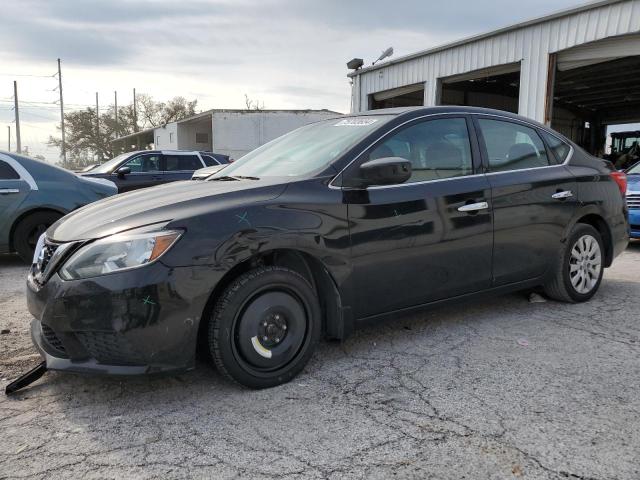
(580, 268)
(28, 231)
(265, 327)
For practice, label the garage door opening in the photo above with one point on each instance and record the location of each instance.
(623, 144)
(491, 88)
(593, 88)
(409, 96)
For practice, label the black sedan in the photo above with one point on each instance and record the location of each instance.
(146, 168)
(331, 226)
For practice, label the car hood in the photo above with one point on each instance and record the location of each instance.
(100, 186)
(164, 203)
(203, 173)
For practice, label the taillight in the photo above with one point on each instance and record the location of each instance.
(621, 179)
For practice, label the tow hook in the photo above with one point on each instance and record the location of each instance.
(26, 378)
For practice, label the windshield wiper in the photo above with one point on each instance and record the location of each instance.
(226, 178)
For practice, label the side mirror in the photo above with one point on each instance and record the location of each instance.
(122, 171)
(385, 171)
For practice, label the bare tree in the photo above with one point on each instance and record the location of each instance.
(155, 114)
(85, 146)
(252, 104)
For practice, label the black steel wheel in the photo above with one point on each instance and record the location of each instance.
(28, 231)
(265, 327)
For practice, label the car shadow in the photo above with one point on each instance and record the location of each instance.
(204, 384)
(11, 260)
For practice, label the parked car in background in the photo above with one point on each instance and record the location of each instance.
(331, 226)
(146, 168)
(34, 195)
(211, 159)
(206, 172)
(633, 199)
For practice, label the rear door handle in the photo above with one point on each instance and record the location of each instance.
(473, 207)
(562, 195)
(5, 191)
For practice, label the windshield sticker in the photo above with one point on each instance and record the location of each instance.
(355, 122)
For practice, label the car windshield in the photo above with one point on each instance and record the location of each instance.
(635, 170)
(107, 167)
(305, 150)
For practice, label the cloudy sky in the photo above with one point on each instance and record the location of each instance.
(285, 53)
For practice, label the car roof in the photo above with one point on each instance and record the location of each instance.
(35, 166)
(449, 109)
(436, 110)
(135, 152)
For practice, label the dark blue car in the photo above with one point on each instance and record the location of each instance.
(146, 168)
(633, 199)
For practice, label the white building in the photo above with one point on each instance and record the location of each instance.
(577, 70)
(230, 132)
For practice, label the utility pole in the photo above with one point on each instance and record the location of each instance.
(135, 112)
(97, 120)
(97, 117)
(64, 146)
(115, 99)
(17, 114)
(8, 138)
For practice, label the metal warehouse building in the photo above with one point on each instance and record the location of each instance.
(577, 70)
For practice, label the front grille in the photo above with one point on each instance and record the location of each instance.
(633, 200)
(53, 341)
(110, 348)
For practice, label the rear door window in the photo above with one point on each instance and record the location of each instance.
(7, 172)
(559, 148)
(512, 146)
(175, 163)
(209, 161)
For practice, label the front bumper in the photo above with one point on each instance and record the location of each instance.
(143, 320)
(634, 223)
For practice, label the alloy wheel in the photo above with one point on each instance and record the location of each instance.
(585, 264)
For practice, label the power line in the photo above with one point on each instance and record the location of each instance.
(37, 115)
(26, 75)
(31, 102)
(35, 125)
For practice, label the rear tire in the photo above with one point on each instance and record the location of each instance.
(579, 269)
(27, 232)
(265, 327)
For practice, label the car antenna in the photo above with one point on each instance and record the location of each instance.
(26, 378)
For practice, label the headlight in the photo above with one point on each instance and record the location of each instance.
(118, 252)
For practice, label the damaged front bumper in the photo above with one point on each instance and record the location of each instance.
(134, 322)
(84, 364)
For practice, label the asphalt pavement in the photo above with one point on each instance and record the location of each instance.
(500, 388)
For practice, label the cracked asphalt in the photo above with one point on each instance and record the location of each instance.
(500, 388)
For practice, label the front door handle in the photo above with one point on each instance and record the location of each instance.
(5, 191)
(473, 207)
(562, 195)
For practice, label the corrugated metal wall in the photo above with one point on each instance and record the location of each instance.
(530, 45)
